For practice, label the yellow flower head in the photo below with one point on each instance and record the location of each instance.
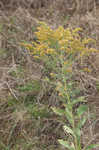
(59, 42)
(69, 69)
(59, 33)
(50, 51)
(36, 57)
(59, 85)
(52, 74)
(86, 70)
(60, 94)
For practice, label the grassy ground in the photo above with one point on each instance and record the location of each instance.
(26, 119)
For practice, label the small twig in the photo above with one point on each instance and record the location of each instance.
(95, 136)
(11, 133)
(90, 127)
(11, 91)
(4, 35)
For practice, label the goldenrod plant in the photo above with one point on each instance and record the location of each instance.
(59, 49)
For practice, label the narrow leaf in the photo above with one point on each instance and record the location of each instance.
(79, 99)
(81, 122)
(58, 111)
(69, 116)
(81, 110)
(66, 144)
(77, 133)
(92, 146)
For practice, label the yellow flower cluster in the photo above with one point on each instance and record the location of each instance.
(40, 49)
(52, 74)
(61, 89)
(86, 70)
(59, 85)
(52, 42)
(28, 46)
(50, 51)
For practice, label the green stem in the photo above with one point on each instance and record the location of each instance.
(69, 102)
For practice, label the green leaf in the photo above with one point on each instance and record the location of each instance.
(58, 111)
(68, 130)
(68, 113)
(77, 133)
(81, 122)
(66, 144)
(81, 110)
(79, 99)
(92, 146)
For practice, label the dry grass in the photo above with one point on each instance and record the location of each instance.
(19, 129)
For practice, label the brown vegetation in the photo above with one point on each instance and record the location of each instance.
(18, 21)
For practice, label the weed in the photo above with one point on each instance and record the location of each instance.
(30, 86)
(59, 50)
